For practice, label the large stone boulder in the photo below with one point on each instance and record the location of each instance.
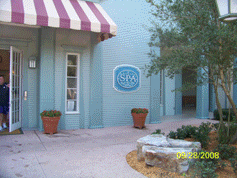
(158, 140)
(161, 151)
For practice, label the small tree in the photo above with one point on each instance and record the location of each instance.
(190, 36)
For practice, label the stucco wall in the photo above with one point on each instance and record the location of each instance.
(128, 47)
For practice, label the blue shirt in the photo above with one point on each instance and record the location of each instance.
(4, 95)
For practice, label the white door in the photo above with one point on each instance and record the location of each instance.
(15, 89)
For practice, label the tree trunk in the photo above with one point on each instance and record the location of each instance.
(227, 92)
(215, 84)
(234, 138)
(218, 105)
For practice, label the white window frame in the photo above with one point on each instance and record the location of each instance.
(161, 87)
(78, 83)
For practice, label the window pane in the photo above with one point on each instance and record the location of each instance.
(72, 71)
(71, 83)
(71, 94)
(71, 105)
(72, 60)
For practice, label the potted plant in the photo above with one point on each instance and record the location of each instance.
(50, 120)
(139, 117)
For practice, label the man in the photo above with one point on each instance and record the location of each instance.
(4, 102)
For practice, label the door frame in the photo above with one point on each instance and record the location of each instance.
(7, 48)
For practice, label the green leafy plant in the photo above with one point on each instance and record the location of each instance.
(172, 134)
(202, 132)
(180, 133)
(223, 138)
(225, 151)
(225, 113)
(139, 110)
(233, 161)
(204, 168)
(50, 113)
(183, 132)
(158, 131)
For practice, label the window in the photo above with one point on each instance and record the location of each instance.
(161, 87)
(72, 83)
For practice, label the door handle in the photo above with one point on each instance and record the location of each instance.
(25, 95)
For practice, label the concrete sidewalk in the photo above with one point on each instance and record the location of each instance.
(77, 153)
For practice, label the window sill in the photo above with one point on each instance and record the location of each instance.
(70, 113)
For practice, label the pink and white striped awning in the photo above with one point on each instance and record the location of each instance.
(71, 14)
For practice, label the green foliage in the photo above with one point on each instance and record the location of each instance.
(189, 35)
(139, 110)
(225, 151)
(233, 162)
(199, 133)
(218, 162)
(50, 113)
(183, 132)
(202, 132)
(190, 130)
(204, 168)
(225, 114)
(172, 134)
(223, 138)
(158, 131)
(207, 167)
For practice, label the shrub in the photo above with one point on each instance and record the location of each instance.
(199, 133)
(158, 131)
(225, 151)
(183, 132)
(222, 134)
(233, 162)
(172, 134)
(202, 132)
(225, 114)
(204, 168)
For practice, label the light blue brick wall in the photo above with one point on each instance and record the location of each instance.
(76, 42)
(128, 47)
(96, 84)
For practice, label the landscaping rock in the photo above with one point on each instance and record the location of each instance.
(161, 151)
(166, 158)
(158, 140)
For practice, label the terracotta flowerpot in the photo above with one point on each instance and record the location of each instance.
(50, 124)
(139, 119)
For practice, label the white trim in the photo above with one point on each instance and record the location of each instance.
(78, 84)
(127, 65)
(18, 124)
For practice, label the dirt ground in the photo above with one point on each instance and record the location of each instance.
(155, 172)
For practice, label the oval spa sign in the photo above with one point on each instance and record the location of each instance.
(126, 78)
